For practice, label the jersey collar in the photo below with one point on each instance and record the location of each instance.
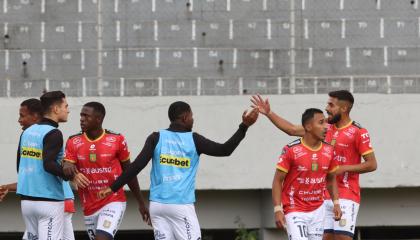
(312, 149)
(97, 139)
(345, 126)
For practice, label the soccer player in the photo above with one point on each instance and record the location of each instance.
(40, 176)
(175, 156)
(305, 168)
(100, 155)
(30, 112)
(351, 142)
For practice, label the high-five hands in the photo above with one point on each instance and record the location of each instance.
(249, 118)
(262, 105)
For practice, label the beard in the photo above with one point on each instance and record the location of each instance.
(334, 119)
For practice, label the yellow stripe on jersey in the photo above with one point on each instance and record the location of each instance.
(308, 147)
(125, 159)
(34, 153)
(282, 169)
(334, 169)
(97, 139)
(346, 125)
(367, 152)
(69, 160)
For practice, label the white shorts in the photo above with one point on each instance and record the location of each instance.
(68, 233)
(43, 219)
(174, 221)
(305, 225)
(107, 219)
(347, 224)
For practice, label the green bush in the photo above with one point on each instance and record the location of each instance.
(244, 234)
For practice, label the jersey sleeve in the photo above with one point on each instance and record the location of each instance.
(123, 154)
(284, 161)
(70, 154)
(364, 145)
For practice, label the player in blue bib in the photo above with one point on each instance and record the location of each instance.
(30, 112)
(40, 176)
(175, 156)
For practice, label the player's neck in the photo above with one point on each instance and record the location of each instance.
(52, 117)
(311, 142)
(94, 134)
(344, 121)
(178, 125)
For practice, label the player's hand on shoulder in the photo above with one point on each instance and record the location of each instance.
(280, 220)
(3, 192)
(249, 118)
(104, 193)
(80, 180)
(262, 105)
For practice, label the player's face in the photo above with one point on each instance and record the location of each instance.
(88, 119)
(333, 110)
(26, 118)
(319, 126)
(63, 111)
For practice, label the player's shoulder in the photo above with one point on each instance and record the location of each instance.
(294, 143)
(359, 128)
(75, 139)
(357, 125)
(79, 134)
(327, 146)
(110, 132)
(112, 136)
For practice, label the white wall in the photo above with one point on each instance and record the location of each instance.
(391, 119)
(218, 209)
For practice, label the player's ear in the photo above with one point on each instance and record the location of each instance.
(345, 107)
(184, 117)
(341, 106)
(55, 108)
(306, 127)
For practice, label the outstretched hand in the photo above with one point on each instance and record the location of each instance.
(262, 105)
(3, 192)
(249, 118)
(145, 214)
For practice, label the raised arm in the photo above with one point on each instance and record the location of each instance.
(287, 127)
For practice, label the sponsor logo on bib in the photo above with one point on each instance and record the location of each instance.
(34, 153)
(175, 161)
